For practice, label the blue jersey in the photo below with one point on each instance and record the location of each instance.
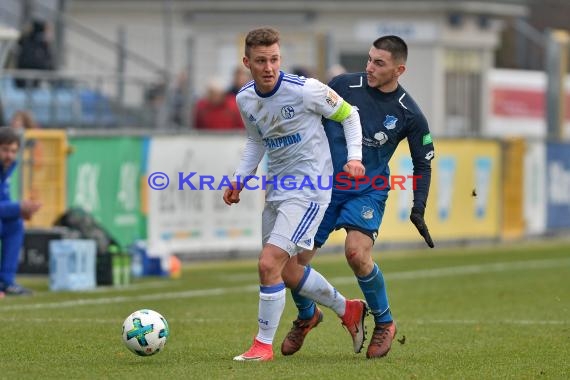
(387, 119)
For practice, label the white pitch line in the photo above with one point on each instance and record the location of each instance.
(406, 275)
(447, 322)
(468, 269)
(487, 322)
(128, 288)
(146, 297)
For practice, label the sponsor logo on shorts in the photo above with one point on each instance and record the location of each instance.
(367, 212)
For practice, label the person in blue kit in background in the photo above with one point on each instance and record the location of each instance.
(12, 215)
(388, 115)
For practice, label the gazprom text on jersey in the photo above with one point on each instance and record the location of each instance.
(282, 141)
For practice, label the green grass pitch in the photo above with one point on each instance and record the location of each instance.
(471, 313)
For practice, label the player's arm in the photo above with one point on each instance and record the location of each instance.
(9, 209)
(422, 151)
(325, 101)
(250, 159)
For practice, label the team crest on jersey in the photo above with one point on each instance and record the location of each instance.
(367, 212)
(381, 137)
(332, 98)
(287, 112)
(390, 122)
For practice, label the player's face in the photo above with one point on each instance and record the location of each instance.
(264, 63)
(8, 154)
(382, 72)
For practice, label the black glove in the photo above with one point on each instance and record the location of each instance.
(417, 217)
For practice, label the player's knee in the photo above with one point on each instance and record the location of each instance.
(352, 256)
(265, 266)
(269, 270)
(356, 259)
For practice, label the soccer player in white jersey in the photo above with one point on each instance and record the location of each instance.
(282, 114)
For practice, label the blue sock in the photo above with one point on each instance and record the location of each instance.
(305, 306)
(374, 291)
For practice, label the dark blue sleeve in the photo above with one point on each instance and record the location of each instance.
(9, 209)
(335, 84)
(422, 151)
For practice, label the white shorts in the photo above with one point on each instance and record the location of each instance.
(291, 224)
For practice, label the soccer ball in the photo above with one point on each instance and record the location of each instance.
(145, 332)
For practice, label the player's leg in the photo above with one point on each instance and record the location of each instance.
(271, 303)
(309, 315)
(12, 234)
(371, 281)
(315, 287)
(286, 228)
(307, 286)
(296, 272)
(361, 232)
(271, 289)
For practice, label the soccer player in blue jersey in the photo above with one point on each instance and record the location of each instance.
(282, 115)
(388, 115)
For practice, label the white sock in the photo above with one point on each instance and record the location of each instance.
(271, 307)
(317, 288)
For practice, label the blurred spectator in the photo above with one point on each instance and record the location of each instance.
(335, 70)
(32, 151)
(34, 52)
(179, 99)
(302, 72)
(154, 97)
(12, 215)
(23, 120)
(217, 110)
(240, 78)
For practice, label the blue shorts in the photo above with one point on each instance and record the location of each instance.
(363, 213)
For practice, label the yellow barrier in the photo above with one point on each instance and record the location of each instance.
(43, 173)
(513, 185)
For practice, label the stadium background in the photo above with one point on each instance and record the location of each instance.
(481, 72)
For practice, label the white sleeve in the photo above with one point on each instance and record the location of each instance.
(250, 158)
(253, 151)
(322, 99)
(353, 135)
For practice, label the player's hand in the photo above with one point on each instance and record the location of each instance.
(354, 168)
(232, 195)
(417, 217)
(29, 208)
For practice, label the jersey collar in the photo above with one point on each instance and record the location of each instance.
(384, 95)
(270, 93)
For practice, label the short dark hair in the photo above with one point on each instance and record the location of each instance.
(8, 136)
(395, 45)
(261, 37)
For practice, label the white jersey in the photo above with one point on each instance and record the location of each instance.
(286, 123)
